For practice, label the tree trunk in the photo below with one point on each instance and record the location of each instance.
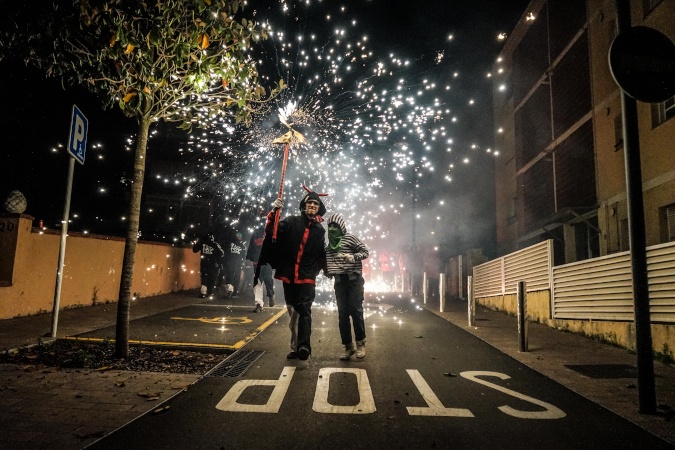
(122, 329)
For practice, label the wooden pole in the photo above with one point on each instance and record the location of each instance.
(281, 191)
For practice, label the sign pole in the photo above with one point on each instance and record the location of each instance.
(77, 146)
(637, 237)
(62, 247)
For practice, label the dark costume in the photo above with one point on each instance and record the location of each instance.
(235, 251)
(210, 260)
(297, 256)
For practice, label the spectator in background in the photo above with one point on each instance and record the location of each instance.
(414, 266)
(387, 269)
(235, 251)
(432, 267)
(253, 254)
(211, 252)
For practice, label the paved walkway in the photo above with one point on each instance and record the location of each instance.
(69, 409)
(552, 351)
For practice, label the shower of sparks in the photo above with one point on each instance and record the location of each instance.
(381, 128)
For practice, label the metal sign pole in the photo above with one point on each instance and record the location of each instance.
(77, 146)
(62, 247)
(637, 237)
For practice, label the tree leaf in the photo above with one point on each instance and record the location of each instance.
(127, 98)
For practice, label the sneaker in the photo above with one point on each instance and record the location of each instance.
(258, 308)
(292, 355)
(303, 353)
(271, 301)
(361, 349)
(349, 351)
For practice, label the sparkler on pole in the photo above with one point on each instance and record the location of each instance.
(291, 137)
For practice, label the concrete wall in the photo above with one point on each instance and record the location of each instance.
(617, 333)
(92, 269)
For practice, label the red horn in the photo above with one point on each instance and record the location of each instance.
(309, 190)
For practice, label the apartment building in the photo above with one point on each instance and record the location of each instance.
(557, 113)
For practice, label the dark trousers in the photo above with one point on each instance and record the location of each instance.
(209, 275)
(266, 277)
(233, 275)
(349, 296)
(300, 297)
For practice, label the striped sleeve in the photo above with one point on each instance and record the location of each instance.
(350, 245)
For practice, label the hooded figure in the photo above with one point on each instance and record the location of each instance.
(344, 254)
(316, 197)
(211, 252)
(283, 254)
(297, 256)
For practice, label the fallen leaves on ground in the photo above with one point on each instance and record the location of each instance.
(99, 356)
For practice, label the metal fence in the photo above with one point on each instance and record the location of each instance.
(593, 289)
(501, 276)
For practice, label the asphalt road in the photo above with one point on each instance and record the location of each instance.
(424, 383)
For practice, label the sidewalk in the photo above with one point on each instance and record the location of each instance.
(72, 408)
(611, 371)
(69, 409)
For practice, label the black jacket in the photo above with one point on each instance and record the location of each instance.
(211, 251)
(298, 253)
(255, 245)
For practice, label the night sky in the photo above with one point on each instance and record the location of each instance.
(365, 142)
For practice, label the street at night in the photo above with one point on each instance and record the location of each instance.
(424, 383)
(470, 205)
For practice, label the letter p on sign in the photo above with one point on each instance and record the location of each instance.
(77, 143)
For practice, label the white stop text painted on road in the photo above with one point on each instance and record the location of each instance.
(366, 403)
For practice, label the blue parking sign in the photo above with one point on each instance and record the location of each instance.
(77, 143)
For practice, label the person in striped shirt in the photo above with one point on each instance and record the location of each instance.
(344, 254)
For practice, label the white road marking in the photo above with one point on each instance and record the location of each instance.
(551, 412)
(435, 407)
(366, 403)
(229, 402)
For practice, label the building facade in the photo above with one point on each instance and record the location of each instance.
(557, 112)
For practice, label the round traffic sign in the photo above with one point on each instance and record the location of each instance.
(642, 62)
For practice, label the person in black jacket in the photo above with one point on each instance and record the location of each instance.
(235, 251)
(253, 254)
(297, 256)
(212, 252)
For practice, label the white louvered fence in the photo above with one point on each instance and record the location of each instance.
(593, 289)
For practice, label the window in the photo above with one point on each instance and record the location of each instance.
(587, 239)
(649, 5)
(618, 133)
(667, 219)
(662, 112)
